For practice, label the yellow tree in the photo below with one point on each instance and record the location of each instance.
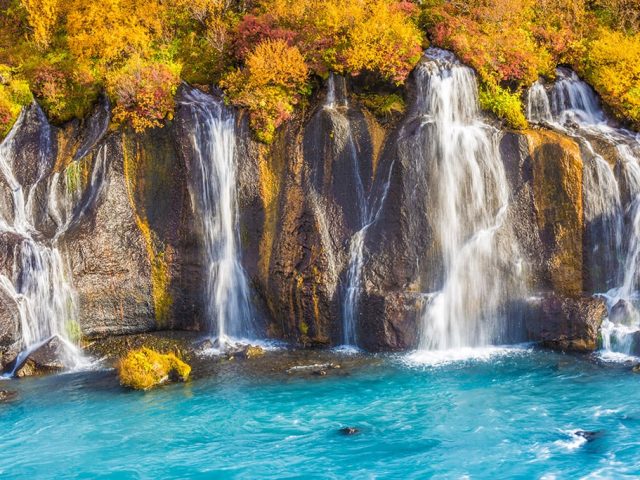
(42, 16)
(108, 31)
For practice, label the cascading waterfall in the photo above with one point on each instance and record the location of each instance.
(611, 197)
(227, 293)
(467, 209)
(40, 282)
(368, 208)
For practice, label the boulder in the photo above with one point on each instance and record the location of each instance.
(8, 396)
(44, 359)
(566, 323)
(623, 312)
(144, 369)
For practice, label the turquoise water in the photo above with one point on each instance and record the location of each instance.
(509, 416)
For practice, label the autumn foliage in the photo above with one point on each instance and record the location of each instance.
(271, 83)
(268, 55)
(512, 42)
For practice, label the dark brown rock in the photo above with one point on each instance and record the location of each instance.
(567, 323)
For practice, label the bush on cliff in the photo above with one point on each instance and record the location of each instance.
(144, 93)
(14, 94)
(145, 368)
(347, 37)
(273, 80)
(612, 66)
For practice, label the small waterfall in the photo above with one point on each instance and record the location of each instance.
(538, 106)
(572, 100)
(368, 209)
(468, 209)
(611, 199)
(40, 282)
(227, 304)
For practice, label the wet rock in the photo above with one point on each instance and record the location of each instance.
(245, 351)
(318, 369)
(348, 431)
(9, 328)
(389, 322)
(7, 396)
(590, 436)
(133, 265)
(43, 360)
(565, 323)
(557, 192)
(623, 312)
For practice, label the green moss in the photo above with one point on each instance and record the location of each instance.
(73, 330)
(304, 328)
(73, 176)
(504, 104)
(383, 105)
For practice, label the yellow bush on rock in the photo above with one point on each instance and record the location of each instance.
(145, 368)
(271, 83)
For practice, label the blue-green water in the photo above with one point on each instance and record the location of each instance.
(510, 416)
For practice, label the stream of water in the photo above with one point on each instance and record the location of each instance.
(468, 209)
(227, 304)
(40, 283)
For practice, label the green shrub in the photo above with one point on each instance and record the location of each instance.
(504, 104)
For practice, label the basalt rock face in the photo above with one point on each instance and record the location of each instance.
(134, 248)
(566, 323)
(134, 256)
(307, 187)
(118, 206)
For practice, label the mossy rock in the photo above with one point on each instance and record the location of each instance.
(144, 369)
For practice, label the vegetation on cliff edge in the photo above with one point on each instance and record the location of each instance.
(268, 55)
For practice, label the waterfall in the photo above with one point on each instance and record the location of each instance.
(369, 206)
(611, 192)
(351, 295)
(538, 106)
(213, 139)
(467, 207)
(40, 282)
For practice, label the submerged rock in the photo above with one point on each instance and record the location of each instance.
(7, 396)
(144, 369)
(567, 324)
(589, 436)
(319, 369)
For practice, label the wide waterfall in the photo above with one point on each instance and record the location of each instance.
(40, 283)
(227, 304)
(611, 192)
(468, 203)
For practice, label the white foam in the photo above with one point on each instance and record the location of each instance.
(347, 350)
(435, 358)
(574, 441)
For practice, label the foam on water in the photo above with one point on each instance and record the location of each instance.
(439, 358)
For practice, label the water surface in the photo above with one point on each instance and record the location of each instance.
(501, 415)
